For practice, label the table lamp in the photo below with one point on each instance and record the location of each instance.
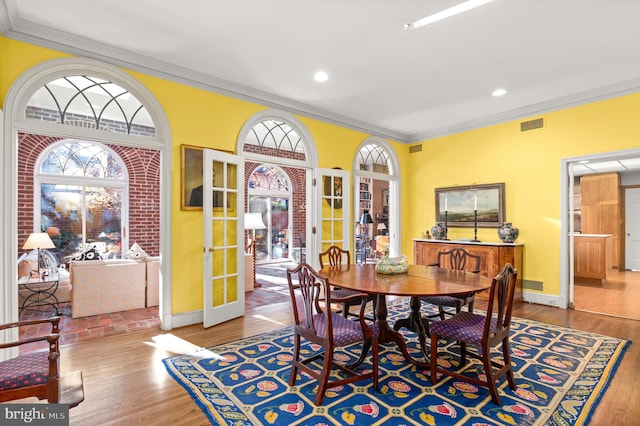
(253, 221)
(365, 220)
(382, 229)
(39, 240)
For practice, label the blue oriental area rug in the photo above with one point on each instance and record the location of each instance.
(560, 373)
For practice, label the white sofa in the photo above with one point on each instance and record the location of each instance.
(152, 284)
(105, 286)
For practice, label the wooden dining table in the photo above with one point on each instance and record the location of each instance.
(419, 280)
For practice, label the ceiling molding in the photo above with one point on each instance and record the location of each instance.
(39, 35)
(15, 27)
(601, 93)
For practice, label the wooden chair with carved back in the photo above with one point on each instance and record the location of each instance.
(36, 372)
(485, 331)
(335, 256)
(316, 323)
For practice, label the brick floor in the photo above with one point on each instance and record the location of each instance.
(273, 289)
(78, 329)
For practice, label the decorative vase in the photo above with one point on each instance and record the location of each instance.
(508, 233)
(439, 231)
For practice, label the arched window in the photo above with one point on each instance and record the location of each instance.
(83, 100)
(278, 148)
(90, 102)
(275, 138)
(377, 194)
(82, 189)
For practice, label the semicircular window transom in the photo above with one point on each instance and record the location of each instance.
(82, 159)
(276, 139)
(90, 102)
(374, 158)
(269, 178)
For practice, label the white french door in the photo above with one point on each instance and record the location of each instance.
(333, 211)
(223, 208)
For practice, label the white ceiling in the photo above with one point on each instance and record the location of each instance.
(402, 85)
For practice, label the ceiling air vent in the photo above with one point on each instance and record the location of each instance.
(538, 123)
(415, 148)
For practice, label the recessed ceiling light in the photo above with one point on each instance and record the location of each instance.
(498, 92)
(321, 76)
(444, 14)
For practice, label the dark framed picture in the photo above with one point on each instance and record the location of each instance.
(191, 166)
(332, 190)
(191, 180)
(459, 203)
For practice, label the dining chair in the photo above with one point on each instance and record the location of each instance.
(329, 330)
(460, 260)
(335, 256)
(457, 259)
(485, 331)
(36, 373)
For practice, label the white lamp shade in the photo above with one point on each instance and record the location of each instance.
(381, 226)
(253, 221)
(38, 240)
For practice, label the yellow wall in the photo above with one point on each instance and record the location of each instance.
(201, 118)
(529, 165)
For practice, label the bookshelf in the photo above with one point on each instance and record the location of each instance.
(365, 194)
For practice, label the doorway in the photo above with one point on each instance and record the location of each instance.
(617, 293)
(29, 103)
(273, 242)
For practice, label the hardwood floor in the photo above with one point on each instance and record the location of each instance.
(618, 295)
(127, 384)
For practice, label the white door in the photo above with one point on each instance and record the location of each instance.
(223, 208)
(632, 229)
(333, 222)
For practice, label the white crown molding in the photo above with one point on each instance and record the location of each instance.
(581, 98)
(13, 26)
(26, 31)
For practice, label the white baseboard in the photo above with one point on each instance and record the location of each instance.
(542, 299)
(187, 318)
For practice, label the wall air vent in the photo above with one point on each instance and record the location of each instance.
(415, 148)
(538, 123)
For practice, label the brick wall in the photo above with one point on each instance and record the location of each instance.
(143, 166)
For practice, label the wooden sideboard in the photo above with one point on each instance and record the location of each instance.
(493, 256)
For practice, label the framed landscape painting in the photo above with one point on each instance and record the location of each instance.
(460, 202)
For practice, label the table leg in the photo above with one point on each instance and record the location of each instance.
(387, 334)
(41, 296)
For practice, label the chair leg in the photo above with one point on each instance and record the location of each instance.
(345, 309)
(463, 354)
(296, 357)
(491, 380)
(507, 362)
(434, 357)
(324, 377)
(374, 361)
(366, 345)
(441, 312)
